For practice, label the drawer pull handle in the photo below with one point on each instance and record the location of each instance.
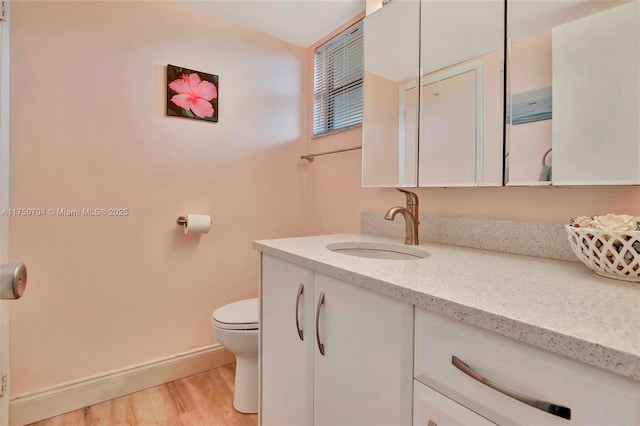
(300, 291)
(556, 410)
(320, 303)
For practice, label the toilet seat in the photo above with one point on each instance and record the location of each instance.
(241, 315)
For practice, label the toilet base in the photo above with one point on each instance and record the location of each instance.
(245, 398)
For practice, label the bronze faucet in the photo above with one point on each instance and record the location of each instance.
(410, 214)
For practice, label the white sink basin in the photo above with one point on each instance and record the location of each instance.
(371, 250)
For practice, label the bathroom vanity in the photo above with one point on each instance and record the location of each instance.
(463, 336)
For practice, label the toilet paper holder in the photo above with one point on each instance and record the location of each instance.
(182, 220)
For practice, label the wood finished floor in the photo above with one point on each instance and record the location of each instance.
(204, 399)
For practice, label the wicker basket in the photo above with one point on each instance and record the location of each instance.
(612, 254)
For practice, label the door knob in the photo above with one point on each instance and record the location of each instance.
(13, 280)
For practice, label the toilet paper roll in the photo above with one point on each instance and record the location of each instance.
(197, 224)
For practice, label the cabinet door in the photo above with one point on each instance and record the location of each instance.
(596, 60)
(431, 408)
(286, 359)
(365, 374)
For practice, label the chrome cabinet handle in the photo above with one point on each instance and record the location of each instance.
(300, 291)
(320, 303)
(556, 410)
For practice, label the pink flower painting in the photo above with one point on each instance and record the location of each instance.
(192, 94)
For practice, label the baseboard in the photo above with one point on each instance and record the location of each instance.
(39, 405)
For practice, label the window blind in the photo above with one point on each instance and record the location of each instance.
(338, 70)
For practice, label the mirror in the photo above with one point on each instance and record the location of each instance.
(462, 95)
(390, 110)
(574, 91)
(461, 98)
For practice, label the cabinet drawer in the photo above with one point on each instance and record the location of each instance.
(593, 396)
(431, 408)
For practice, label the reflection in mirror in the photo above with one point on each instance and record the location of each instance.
(390, 111)
(462, 97)
(574, 89)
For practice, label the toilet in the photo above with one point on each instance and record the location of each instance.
(236, 328)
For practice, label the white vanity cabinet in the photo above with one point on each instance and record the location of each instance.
(499, 377)
(286, 358)
(469, 359)
(357, 368)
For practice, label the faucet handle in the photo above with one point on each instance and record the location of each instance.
(412, 202)
(411, 196)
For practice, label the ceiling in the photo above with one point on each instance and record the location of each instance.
(301, 22)
(529, 18)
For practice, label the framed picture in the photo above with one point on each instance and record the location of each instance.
(192, 94)
(534, 105)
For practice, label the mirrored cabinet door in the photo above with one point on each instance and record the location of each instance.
(390, 111)
(574, 93)
(461, 93)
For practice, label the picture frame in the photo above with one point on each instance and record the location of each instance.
(192, 94)
(534, 105)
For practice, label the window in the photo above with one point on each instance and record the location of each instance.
(337, 83)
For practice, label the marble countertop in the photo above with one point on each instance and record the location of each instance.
(557, 305)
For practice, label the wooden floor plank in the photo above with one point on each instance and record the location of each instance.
(142, 409)
(207, 391)
(228, 375)
(120, 411)
(205, 399)
(98, 414)
(189, 418)
(74, 418)
(163, 403)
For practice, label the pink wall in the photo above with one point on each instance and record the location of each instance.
(530, 69)
(89, 130)
(381, 111)
(336, 199)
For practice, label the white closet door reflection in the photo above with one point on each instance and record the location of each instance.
(409, 135)
(448, 131)
(462, 47)
(599, 88)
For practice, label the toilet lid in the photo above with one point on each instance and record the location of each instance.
(237, 315)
